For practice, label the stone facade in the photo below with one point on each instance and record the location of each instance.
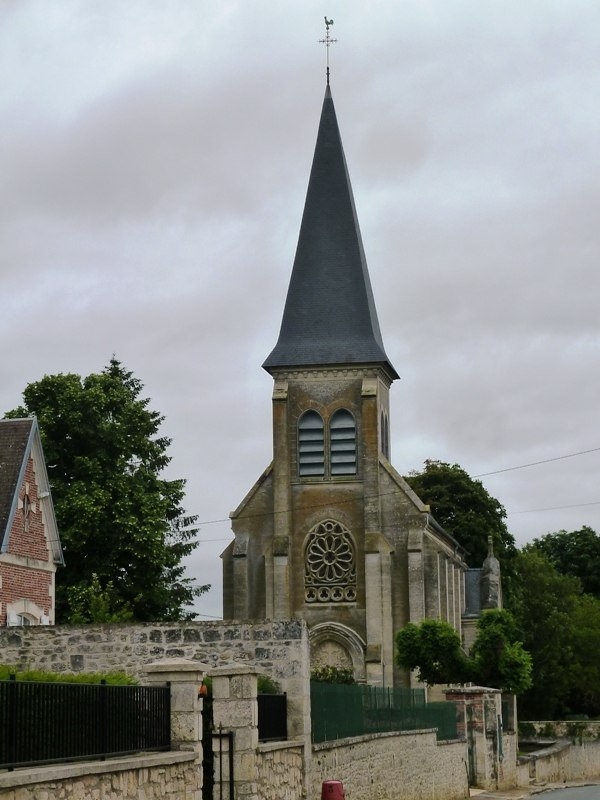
(331, 533)
(402, 566)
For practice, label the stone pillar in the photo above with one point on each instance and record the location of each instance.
(416, 577)
(378, 593)
(388, 625)
(185, 677)
(482, 709)
(282, 500)
(373, 597)
(281, 580)
(235, 711)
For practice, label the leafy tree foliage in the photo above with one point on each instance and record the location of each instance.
(466, 510)
(498, 658)
(560, 627)
(574, 553)
(433, 648)
(123, 529)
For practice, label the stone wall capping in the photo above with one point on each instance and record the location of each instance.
(176, 665)
(471, 690)
(233, 669)
(269, 747)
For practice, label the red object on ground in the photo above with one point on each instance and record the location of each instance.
(332, 790)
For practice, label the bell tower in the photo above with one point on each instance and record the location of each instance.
(330, 532)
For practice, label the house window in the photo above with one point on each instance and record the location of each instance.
(329, 564)
(342, 432)
(20, 619)
(311, 445)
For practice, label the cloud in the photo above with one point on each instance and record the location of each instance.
(153, 168)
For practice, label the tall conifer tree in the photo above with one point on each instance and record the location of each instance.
(123, 528)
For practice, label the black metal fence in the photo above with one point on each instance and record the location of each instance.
(43, 723)
(340, 710)
(272, 717)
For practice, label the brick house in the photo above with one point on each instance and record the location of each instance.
(30, 549)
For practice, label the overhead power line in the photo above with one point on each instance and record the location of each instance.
(536, 463)
(554, 508)
(479, 475)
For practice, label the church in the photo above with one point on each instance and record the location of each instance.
(330, 532)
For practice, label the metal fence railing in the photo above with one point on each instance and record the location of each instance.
(44, 723)
(342, 710)
(272, 717)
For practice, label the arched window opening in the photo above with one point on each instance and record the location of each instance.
(311, 445)
(342, 433)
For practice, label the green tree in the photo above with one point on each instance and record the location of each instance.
(498, 659)
(584, 696)
(465, 509)
(123, 529)
(574, 553)
(547, 608)
(433, 649)
(95, 603)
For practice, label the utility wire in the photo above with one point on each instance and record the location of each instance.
(554, 508)
(479, 475)
(536, 463)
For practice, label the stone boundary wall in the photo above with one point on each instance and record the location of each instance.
(275, 647)
(562, 762)
(279, 649)
(385, 766)
(280, 771)
(174, 776)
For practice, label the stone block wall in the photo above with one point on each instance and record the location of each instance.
(385, 766)
(277, 649)
(173, 776)
(564, 762)
(280, 771)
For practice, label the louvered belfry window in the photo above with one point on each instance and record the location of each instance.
(342, 431)
(311, 445)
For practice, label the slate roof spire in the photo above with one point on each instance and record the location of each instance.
(329, 316)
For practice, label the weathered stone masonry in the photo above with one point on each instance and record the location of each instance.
(277, 649)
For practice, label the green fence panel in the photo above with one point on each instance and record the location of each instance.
(342, 710)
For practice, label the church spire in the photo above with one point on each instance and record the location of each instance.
(329, 316)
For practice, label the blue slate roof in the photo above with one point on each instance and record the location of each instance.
(329, 316)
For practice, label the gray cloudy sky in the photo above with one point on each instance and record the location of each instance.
(153, 167)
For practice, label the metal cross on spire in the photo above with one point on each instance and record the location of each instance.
(327, 41)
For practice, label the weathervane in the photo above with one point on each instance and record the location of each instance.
(327, 41)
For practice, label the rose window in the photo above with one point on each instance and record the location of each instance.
(329, 564)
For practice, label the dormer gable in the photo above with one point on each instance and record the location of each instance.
(28, 526)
